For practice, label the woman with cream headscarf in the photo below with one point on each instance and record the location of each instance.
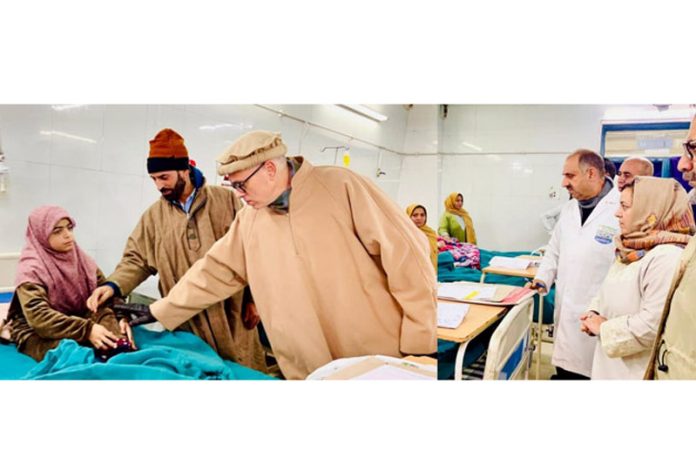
(419, 216)
(656, 223)
(456, 222)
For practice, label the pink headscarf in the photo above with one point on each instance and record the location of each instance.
(68, 277)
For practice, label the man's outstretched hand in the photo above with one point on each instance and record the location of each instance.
(137, 313)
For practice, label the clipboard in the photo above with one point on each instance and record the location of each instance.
(505, 295)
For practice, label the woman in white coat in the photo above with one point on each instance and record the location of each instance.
(656, 223)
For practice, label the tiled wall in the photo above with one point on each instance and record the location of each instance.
(505, 160)
(91, 159)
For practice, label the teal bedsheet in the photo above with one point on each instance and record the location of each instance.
(161, 355)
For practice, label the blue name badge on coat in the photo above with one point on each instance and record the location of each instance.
(605, 234)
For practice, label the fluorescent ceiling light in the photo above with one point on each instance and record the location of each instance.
(66, 107)
(471, 146)
(215, 127)
(68, 136)
(363, 110)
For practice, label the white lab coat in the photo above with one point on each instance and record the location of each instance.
(577, 260)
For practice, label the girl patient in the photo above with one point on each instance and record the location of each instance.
(54, 279)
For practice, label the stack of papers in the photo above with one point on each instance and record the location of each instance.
(510, 263)
(462, 292)
(450, 316)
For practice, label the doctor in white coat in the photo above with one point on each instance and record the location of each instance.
(578, 258)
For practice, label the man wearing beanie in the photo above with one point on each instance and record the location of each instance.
(336, 269)
(172, 235)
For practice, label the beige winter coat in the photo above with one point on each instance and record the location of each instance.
(344, 273)
(167, 242)
(675, 345)
(632, 297)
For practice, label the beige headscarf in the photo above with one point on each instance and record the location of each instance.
(429, 232)
(450, 208)
(661, 214)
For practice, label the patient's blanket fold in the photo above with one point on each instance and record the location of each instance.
(161, 355)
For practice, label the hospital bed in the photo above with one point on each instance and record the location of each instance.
(509, 349)
(447, 272)
(509, 352)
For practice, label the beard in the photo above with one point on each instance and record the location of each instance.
(175, 193)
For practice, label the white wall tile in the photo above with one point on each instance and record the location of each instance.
(118, 199)
(20, 133)
(76, 138)
(77, 191)
(125, 144)
(419, 184)
(28, 187)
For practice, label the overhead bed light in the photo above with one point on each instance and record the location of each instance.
(366, 112)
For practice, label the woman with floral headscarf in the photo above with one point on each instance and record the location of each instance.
(419, 216)
(456, 223)
(656, 223)
(54, 279)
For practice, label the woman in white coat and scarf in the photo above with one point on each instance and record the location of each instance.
(656, 223)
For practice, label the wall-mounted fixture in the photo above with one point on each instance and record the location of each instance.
(366, 112)
(4, 171)
(346, 162)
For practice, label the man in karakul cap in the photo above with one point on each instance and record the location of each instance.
(175, 232)
(335, 267)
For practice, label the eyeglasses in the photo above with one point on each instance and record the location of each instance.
(241, 186)
(690, 149)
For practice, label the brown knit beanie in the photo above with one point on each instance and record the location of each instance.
(167, 152)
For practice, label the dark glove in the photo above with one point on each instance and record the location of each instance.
(137, 313)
